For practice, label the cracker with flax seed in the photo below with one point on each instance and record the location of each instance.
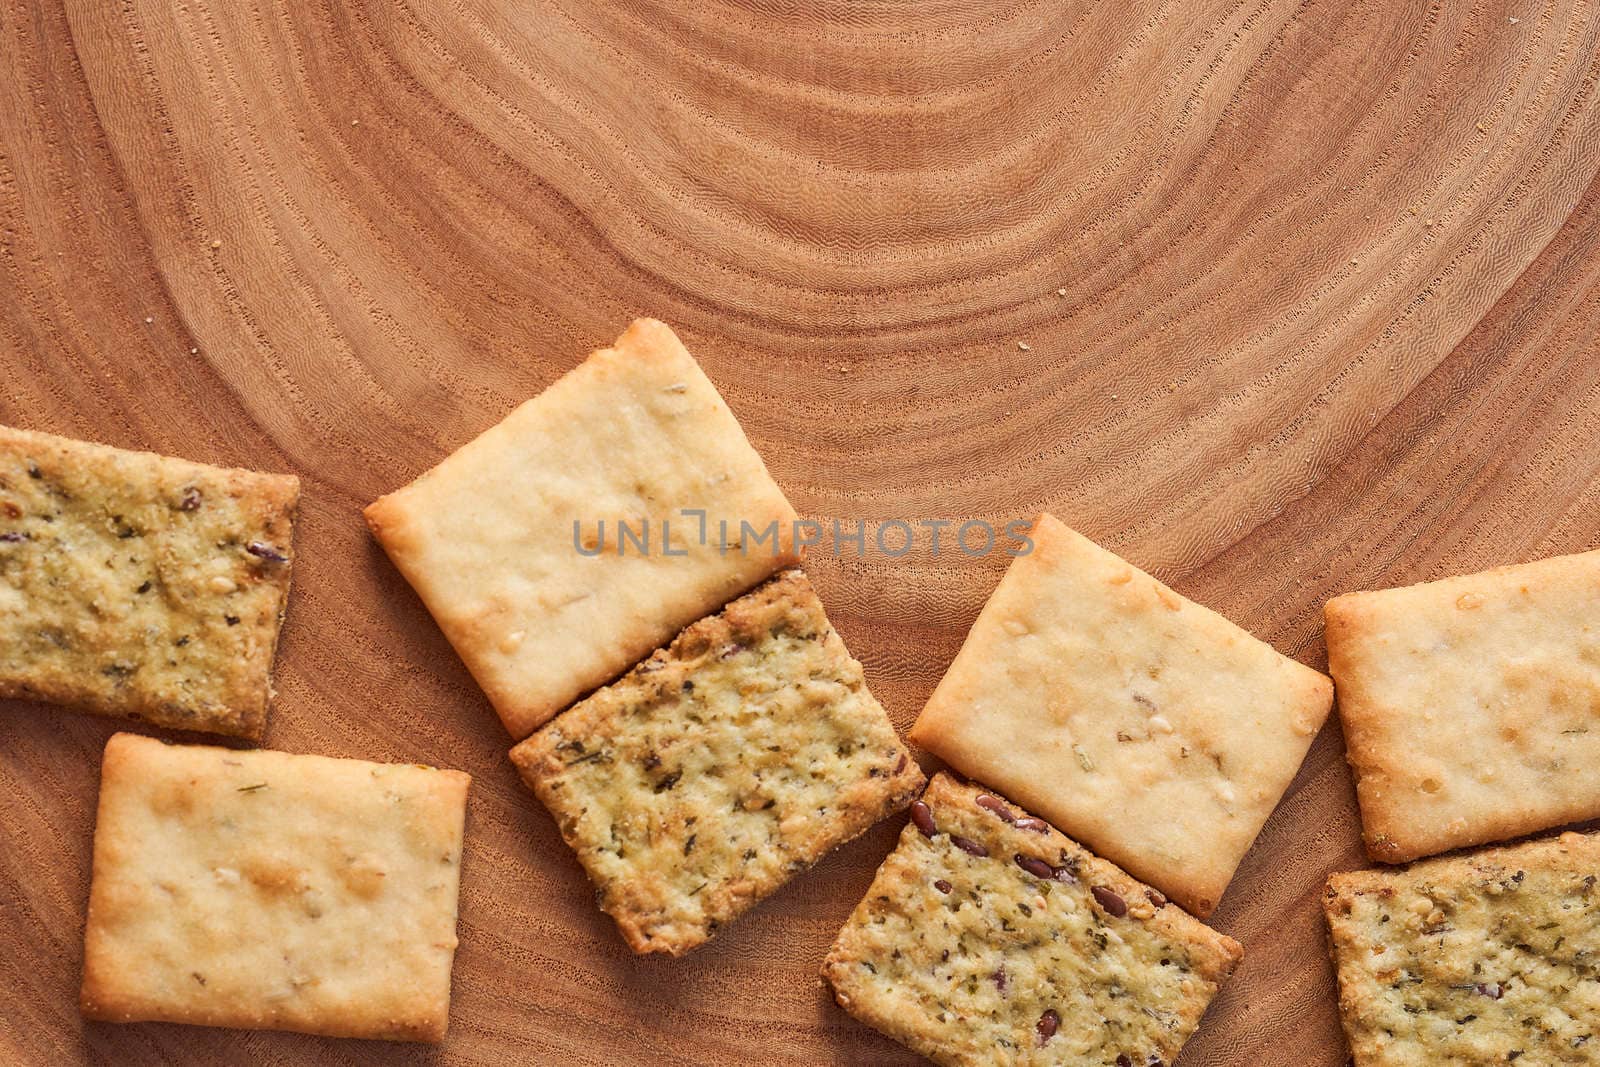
(990, 938)
(1491, 957)
(141, 586)
(720, 767)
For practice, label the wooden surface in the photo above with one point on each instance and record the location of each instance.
(1277, 300)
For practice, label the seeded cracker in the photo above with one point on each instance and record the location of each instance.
(1153, 730)
(989, 938)
(1471, 705)
(1486, 958)
(141, 586)
(265, 890)
(634, 434)
(719, 768)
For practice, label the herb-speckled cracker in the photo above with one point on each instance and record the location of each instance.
(717, 769)
(265, 890)
(141, 586)
(1487, 958)
(1471, 706)
(540, 613)
(1155, 731)
(989, 938)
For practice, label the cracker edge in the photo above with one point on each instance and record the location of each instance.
(1346, 619)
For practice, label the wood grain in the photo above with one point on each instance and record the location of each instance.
(1276, 299)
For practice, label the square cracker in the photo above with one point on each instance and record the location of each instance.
(500, 539)
(1473, 959)
(267, 890)
(1471, 706)
(141, 586)
(1153, 730)
(990, 938)
(716, 770)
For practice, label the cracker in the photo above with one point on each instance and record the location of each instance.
(496, 539)
(1153, 730)
(990, 938)
(141, 586)
(266, 890)
(1471, 706)
(1486, 958)
(719, 768)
